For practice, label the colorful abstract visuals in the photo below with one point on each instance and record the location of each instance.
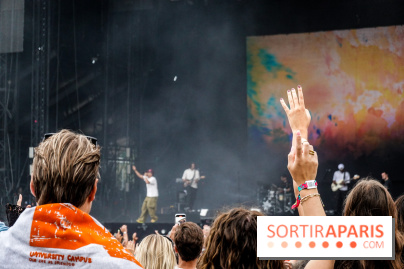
(353, 81)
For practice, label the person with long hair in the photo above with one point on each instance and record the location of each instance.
(156, 252)
(370, 198)
(232, 242)
(400, 218)
(400, 213)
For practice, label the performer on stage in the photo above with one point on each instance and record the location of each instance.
(150, 202)
(285, 185)
(342, 178)
(190, 178)
(386, 181)
(285, 193)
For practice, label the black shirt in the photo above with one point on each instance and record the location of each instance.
(387, 184)
(286, 185)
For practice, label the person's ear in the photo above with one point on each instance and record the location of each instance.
(31, 186)
(91, 196)
(175, 248)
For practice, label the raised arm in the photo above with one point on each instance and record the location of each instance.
(124, 230)
(137, 172)
(302, 159)
(302, 165)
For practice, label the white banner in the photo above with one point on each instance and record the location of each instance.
(330, 237)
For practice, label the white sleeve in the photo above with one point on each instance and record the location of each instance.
(197, 174)
(183, 175)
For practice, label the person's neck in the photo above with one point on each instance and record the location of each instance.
(187, 265)
(86, 207)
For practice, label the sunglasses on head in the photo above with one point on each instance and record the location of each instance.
(93, 140)
(169, 239)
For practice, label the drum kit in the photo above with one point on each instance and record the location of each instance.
(274, 200)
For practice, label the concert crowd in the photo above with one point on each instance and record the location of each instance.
(59, 231)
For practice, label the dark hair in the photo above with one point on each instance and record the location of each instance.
(400, 213)
(65, 169)
(189, 241)
(370, 198)
(232, 242)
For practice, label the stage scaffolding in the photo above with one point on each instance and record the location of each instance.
(40, 70)
(11, 39)
(5, 164)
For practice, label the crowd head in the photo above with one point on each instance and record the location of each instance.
(232, 242)
(65, 169)
(188, 241)
(370, 198)
(400, 213)
(156, 252)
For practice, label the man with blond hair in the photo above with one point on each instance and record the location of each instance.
(59, 230)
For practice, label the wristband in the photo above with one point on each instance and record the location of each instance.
(309, 184)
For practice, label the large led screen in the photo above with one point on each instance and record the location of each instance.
(353, 81)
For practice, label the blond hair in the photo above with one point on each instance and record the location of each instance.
(65, 169)
(156, 252)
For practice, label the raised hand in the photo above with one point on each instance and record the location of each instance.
(302, 161)
(131, 247)
(19, 202)
(134, 237)
(298, 116)
(124, 228)
(118, 236)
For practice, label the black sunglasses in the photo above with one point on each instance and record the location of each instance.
(93, 140)
(169, 239)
